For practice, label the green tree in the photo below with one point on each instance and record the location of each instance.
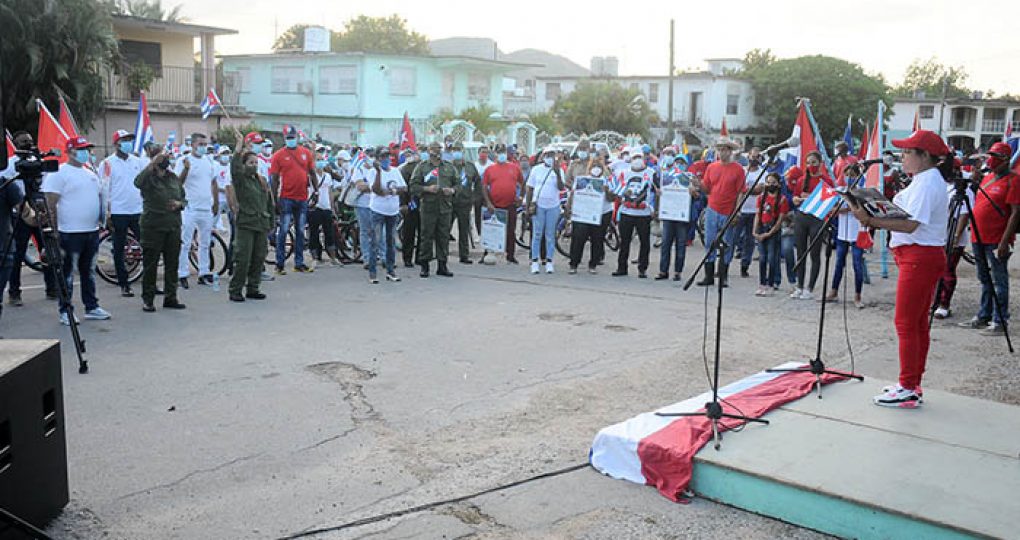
(482, 118)
(837, 88)
(63, 46)
(148, 9)
(546, 122)
(292, 38)
(225, 134)
(929, 75)
(379, 35)
(594, 106)
(756, 59)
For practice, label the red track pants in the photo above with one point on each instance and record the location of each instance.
(920, 269)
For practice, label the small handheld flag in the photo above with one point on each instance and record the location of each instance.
(821, 201)
(210, 103)
(143, 128)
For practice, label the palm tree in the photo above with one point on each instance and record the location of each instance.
(149, 9)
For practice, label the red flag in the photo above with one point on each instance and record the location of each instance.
(802, 131)
(917, 120)
(873, 179)
(862, 152)
(1009, 131)
(724, 132)
(51, 135)
(67, 120)
(407, 135)
(10, 145)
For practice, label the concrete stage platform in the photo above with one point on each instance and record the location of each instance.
(844, 466)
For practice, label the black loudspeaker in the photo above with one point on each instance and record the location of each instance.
(33, 453)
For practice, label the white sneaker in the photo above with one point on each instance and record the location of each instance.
(796, 293)
(892, 387)
(899, 398)
(67, 322)
(806, 295)
(941, 313)
(97, 314)
(549, 267)
(534, 267)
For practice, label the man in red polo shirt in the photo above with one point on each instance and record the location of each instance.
(724, 181)
(502, 185)
(1001, 187)
(843, 159)
(291, 172)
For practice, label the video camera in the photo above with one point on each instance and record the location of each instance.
(32, 164)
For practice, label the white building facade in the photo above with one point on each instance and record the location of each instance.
(967, 124)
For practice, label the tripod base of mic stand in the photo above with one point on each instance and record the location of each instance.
(713, 411)
(817, 367)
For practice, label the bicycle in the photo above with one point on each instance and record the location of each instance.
(107, 270)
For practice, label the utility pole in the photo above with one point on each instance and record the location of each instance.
(669, 116)
(942, 107)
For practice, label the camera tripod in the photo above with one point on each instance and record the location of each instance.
(959, 201)
(51, 259)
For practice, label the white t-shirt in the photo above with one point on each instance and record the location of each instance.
(926, 201)
(364, 175)
(263, 167)
(481, 168)
(326, 185)
(543, 180)
(81, 200)
(198, 184)
(223, 179)
(118, 177)
(751, 204)
(388, 205)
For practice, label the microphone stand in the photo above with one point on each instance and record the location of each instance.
(713, 409)
(817, 366)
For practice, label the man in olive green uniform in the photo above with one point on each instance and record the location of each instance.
(469, 186)
(434, 183)
(252, 205)
(162, 202)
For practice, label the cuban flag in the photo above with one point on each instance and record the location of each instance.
(1009, 131)
(143, 128)
(848, 137)
(210, 103)
(821, 201)
(407, 135)
(357, 162)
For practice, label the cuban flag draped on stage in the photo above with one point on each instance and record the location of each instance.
(143, 128)
(407, 135)
(210, 103)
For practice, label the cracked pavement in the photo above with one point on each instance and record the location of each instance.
(336, 400)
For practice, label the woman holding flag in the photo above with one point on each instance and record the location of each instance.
(918, 245)
(806, 225)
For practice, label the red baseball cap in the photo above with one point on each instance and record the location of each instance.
(120, 134)
(1002, 149)
(253, 137)
(925, 140)
(77, 143)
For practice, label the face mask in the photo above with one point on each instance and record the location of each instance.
(320, 164)
(994, 162)
(423, 156)
(291, 143)
(626, 159)
(82, 156)
(199, 150)
(224, 159)
(596, 171)
(267, 150)
(773, 189)
(385, 164)
(548, 161)
(256, 147)
(369, 161)
(250, 169)
(637, 164)
(126, 146)
(667, 160)
(582, 154)
(457, 155)
(501, 158)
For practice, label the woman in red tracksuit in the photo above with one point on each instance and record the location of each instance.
(918, 245)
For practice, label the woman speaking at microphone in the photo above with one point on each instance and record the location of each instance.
(918, 245)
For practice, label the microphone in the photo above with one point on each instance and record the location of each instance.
(887, 160)
(792, 142)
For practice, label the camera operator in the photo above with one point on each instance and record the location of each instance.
(10, 196)
(999, 191)
(74, 199)
(25, 228)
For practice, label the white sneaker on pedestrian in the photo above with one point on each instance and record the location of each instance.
(534, 267)
(266, 276)
(97, 314)
(892, 387)
(806, 295)
(941, 313)
(796, 293)
(67, 322)
(549, 267)
(898, 397)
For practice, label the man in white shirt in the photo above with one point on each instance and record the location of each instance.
(75, 201)
(320, 214)
(124, 201)
(484, 162)
(199, 178)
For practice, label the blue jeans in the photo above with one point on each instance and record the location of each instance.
(364, 215)
(296, 211)
(121, 224)
(80, 252)
(745, 239)
(543, 225)
(842, 246)
(714, 221)
(769, 272)
(789, 256)
(991, 272)
(697, 206)
(674, 237)
(383, 229)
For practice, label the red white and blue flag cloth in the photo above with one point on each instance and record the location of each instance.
(407, 135)
(659, 450)
(143, 127)
(821, 201)
(210, 103)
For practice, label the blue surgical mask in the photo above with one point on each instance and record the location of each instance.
(501, 158)
(424, 156)
(82, 156)
(457, 155)
(256, 147)
(446, 156)
(291, 143)
(385, 164)
(582, 154)
(320, 164)
(332, 160)
(224, 159)
(667, 160)
(126, 146)
(548, 161)
(199, 150)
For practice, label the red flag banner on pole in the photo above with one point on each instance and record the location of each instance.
(874, 174)
(724, 131)
(51, 136)
(10, 146)
(802, 130)
(917, 120)
(67, 120)
(407, 135)
(863, 151)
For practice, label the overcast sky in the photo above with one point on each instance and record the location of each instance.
(883, 36)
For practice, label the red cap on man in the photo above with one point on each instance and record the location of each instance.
(1001, 149)
(78, 143)
(925, 140)
(121, 134)
(254, 138)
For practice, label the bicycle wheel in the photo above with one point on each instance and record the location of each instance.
(612, 237)
(104, 259)
(564, 228)
(523, 234)
(348, 242)
(288, 248)
(217, 254)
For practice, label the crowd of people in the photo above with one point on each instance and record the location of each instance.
(166, 198)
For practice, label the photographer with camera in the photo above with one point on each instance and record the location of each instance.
(75, 201)
(11, 196)
(25, 228)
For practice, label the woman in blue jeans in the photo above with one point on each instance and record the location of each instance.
(768, 224)
(847, 230)
(545, 181)
(674, 233)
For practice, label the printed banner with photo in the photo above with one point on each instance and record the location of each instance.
(675, 197)
(494, 230)
(589, 197)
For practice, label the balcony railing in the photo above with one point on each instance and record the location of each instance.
(174, 85)
(993, 126)
(962, 124)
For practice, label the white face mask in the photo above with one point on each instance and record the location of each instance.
(596, 171)
(582, 154)
(637, 164)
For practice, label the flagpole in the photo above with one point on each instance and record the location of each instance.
(882, 233)
(222, 106)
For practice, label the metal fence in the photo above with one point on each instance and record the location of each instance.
(173, 84)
